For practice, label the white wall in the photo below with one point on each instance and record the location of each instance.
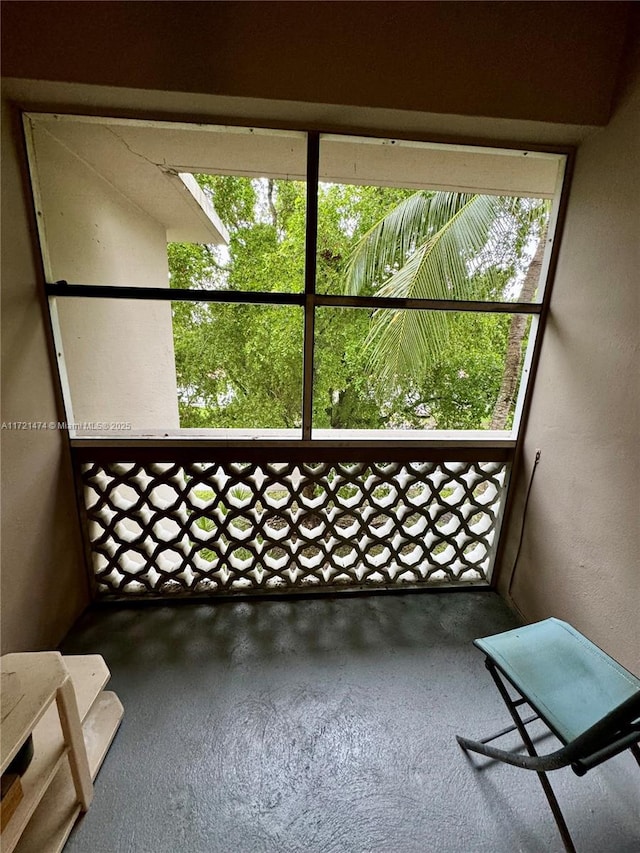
(581, 552)
(119, 355)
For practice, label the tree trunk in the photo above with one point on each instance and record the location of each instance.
(517, 329)
(272, 208)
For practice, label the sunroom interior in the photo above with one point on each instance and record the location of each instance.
(561, 543)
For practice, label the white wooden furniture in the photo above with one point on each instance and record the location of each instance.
(60, 702)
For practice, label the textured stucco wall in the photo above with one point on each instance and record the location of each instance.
(581, 550)
(43, 579)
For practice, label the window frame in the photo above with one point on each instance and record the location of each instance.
(310, 300)
(437, 447)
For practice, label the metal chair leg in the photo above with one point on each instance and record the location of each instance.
(542, 776)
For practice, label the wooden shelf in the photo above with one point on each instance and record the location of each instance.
(47, 758)
(100, 728)
(53, 820)
(50, 805)
(29, 685)
(89, 674)
(58, 810)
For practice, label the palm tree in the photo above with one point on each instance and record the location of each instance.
(443, 245)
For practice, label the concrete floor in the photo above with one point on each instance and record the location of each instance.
(323, 726)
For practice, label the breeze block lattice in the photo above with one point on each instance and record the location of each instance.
(167, 529)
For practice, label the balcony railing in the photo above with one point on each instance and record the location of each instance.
(200, 527)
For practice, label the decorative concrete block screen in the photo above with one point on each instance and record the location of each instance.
(198, 528)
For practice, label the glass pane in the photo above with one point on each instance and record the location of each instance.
(264, 249)
(111, 194)
(417, 370)
(239, 366)
(425, 221)
(160, 368)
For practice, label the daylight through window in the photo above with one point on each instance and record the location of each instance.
(240, 282)
(290, 361)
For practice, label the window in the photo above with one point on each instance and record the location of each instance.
(318, 286)
(289, 360)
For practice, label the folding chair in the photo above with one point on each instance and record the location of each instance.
(585, 698)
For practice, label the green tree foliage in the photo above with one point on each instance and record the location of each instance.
(240, 366)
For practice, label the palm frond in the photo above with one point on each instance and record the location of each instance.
(434, 246)
(388, 244)
(400, 343)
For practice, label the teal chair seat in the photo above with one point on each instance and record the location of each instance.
(567, 679)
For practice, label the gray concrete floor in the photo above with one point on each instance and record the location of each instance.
(323, 726)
